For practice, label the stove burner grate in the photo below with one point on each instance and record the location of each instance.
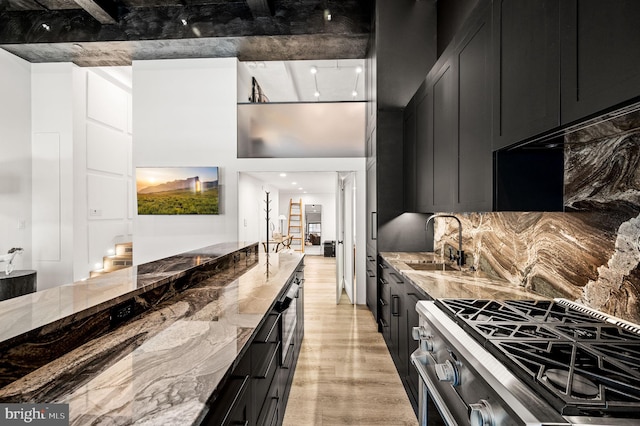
(580, 363)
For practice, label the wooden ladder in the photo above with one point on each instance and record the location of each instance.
(296, 227)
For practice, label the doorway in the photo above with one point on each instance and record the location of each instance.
(313, 229)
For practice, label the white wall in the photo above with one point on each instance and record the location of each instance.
(184, 114)
(251, 208)
(15, 157)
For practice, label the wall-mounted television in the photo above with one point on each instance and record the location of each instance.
(177, 190)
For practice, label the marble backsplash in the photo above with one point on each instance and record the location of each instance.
(590, 252)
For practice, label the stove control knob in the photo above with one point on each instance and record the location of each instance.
(481, 414)
(447, 372)
(426, 341)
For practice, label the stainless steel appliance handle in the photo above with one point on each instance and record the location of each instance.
(433, 392)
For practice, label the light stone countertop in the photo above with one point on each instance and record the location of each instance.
(161, 368)
(84, 298)
(464, 284)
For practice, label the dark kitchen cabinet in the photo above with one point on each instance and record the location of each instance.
(474, 183)
(384, 307)
(600, 56)
(234, 404)
(453, 151)
(526, 92)
(423, 160)
(372, 254)
(411, 377)
(398, 335)
(409, 150)
(436, 127)
(445, 129)
(403, 296)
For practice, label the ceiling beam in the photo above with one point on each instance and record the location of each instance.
(104, 11)
(261, 7)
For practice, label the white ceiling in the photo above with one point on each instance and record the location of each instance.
(292, 81)
(310, 182)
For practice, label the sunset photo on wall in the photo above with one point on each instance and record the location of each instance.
(177, 190)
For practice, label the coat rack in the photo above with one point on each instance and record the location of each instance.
(266, 244)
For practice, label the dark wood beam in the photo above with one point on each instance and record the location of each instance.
(261, 7)
(103, 11)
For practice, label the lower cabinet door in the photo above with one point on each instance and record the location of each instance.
(269, 415)
(266, 357)
(234, 405)
(413, 320)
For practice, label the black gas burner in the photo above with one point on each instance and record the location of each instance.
(581, 363)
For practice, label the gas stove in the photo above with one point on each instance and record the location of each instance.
(487, 362)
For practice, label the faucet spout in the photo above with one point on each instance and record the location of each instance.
(460, 255)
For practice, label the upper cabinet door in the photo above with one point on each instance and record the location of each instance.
(424, 149)
(526, 69)
(600, 55)
(445, 136)
(475, 159)
(409, 162)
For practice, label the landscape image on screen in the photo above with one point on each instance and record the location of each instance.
(177, 190)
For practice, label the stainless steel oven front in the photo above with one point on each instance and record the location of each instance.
(287, 307)
(466, 384)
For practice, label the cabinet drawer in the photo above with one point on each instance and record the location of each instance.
(265, 372)
(234, 404)
(269, 414)
(269, 332)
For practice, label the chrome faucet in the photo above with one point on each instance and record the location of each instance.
(459, 257)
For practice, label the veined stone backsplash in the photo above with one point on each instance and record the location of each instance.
(589, 253)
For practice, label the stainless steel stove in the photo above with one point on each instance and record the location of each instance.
(525, 362)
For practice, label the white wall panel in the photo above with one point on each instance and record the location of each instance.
(107, 197)
(106, 149)
(107, 102)
(46, 196)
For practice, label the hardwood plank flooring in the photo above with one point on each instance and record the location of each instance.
(345, 375)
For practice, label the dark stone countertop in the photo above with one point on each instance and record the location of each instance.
(162, 367)
(462, 284)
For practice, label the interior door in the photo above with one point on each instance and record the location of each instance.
(345, 230)
(339, 236)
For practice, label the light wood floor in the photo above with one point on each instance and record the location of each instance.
(345, 375)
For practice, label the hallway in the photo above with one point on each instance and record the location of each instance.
(345, 375)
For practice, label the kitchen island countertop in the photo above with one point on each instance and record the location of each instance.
(162, 368)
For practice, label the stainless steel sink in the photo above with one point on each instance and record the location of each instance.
(431, 267)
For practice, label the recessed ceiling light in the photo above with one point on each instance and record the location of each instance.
(354, 93)
(283, 175)
(358, 69)
(294, 183)
(313, 69)
(316, 94)
(304, 192)
(300, 188)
